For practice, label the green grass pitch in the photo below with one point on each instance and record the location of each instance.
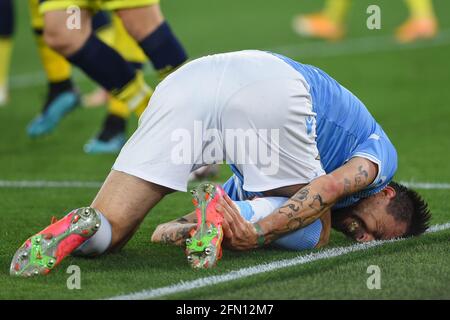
(406, 89)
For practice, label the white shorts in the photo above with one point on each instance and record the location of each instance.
(247, 108)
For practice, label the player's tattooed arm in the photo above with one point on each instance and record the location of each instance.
(317, 198)
(175, 232)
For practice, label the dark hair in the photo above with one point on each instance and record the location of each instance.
(408, 206)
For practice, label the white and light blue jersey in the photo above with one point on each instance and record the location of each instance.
(344, 129)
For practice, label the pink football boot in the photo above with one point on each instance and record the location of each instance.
(204, 248)
(45, 250)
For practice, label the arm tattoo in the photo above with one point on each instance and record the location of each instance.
(317, 203)
(289, 210)
(292, 212)
(302, 195)
(361, 177)
(165, 238)
(360, 180)
(176, 234)
(295, 224)
(183, 233)
(183, 220)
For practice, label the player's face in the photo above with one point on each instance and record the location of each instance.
(369, 220)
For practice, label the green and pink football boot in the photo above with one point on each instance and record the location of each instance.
(204, 247)
(45, 250)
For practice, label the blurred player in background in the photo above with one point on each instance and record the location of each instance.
(329, 23)
(165, 49)
(62, 95)
(112, 136)
(6, 44)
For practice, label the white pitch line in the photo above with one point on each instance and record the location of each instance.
(184, 286)
(23, 184)
(301, 49)
(426, 185)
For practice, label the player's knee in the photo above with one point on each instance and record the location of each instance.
(60, 41)
(63, 40)
(53, 40)
(139, 28)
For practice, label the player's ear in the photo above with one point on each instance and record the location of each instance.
(389, 192)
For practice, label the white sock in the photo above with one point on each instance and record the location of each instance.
(99, 242)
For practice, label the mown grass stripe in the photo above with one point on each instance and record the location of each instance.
(261, 268)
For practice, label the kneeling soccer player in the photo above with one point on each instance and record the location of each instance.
(318, 146)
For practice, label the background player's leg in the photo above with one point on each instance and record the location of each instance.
(6, 42)
(64, 40)
(327, 24)
(62, 96)
(422, 22)
(112, 136)
(156, 41)
(102, 24)
(113, 34)
(336, 10)
(56, 67)
(149, 28)
(98, 60)
(125, 200)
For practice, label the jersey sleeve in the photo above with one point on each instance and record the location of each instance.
(378, 149)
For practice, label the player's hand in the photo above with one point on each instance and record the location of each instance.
(239, 234)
